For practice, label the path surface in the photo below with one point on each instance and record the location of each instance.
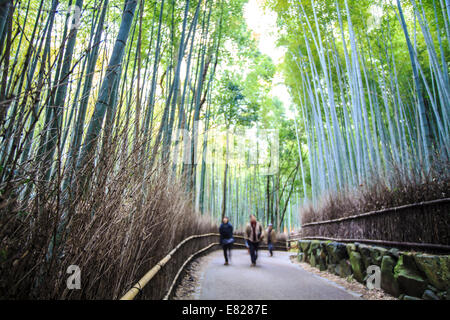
(273, 278)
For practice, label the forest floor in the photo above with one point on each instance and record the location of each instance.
(189, 288)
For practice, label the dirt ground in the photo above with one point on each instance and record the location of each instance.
(188, 289)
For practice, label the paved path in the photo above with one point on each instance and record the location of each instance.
(273, 278)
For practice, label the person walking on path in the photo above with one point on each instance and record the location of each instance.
(226, 238)
(253, 235)
(271, 238)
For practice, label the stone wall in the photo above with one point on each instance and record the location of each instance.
(406, 275)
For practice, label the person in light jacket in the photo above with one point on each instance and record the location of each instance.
(253, 236)
(226, 238)
(271, 238)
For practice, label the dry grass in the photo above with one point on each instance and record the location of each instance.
(403, 187)
(123, 220)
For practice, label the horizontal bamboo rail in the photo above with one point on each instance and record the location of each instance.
(431, 246)
(133, 292)
(424, 225)
(192, 256)
(377, 212)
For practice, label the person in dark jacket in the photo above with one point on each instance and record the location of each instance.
(226, 238)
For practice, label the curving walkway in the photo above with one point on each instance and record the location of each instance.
(273, 278)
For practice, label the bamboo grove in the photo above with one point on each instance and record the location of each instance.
(51, 75)
(128, 125)
(99, 101)
(371, 90)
